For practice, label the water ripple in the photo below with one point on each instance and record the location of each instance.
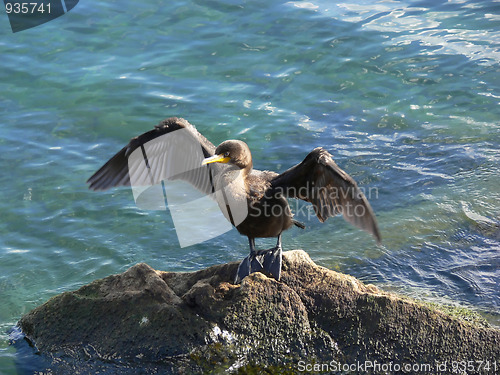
(403, 94)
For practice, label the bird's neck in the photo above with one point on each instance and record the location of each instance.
(236, 177)
(247, 170)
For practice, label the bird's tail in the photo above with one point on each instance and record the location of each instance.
(299, 224)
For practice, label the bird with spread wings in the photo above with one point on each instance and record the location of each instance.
(253, 201)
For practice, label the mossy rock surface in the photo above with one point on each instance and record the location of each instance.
(148, 321)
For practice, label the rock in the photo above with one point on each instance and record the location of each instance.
(171, 322)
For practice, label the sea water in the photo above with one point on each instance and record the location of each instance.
(404, 94)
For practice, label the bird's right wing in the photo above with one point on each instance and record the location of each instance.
(174, 149)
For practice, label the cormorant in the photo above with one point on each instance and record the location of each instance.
(227, 173)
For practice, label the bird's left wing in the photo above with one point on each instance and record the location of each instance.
(320, 181)
(174, 149)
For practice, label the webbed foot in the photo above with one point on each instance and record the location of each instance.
(252, 263)
(266, 261)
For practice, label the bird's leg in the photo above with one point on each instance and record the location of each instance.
(251, 241)
(252, 263)
(278, 244)
(273, 260)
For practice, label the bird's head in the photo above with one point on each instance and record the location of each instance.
(232, 152)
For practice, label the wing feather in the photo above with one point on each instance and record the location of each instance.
(320, 181)
(174, 149)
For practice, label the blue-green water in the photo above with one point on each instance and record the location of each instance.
(404, 94)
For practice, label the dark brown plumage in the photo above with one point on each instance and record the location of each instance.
(227, 172)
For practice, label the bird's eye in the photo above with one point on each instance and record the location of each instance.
(226, 154)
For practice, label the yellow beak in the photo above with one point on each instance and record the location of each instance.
(216, 159)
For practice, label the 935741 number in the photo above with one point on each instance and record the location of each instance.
(24, 8)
